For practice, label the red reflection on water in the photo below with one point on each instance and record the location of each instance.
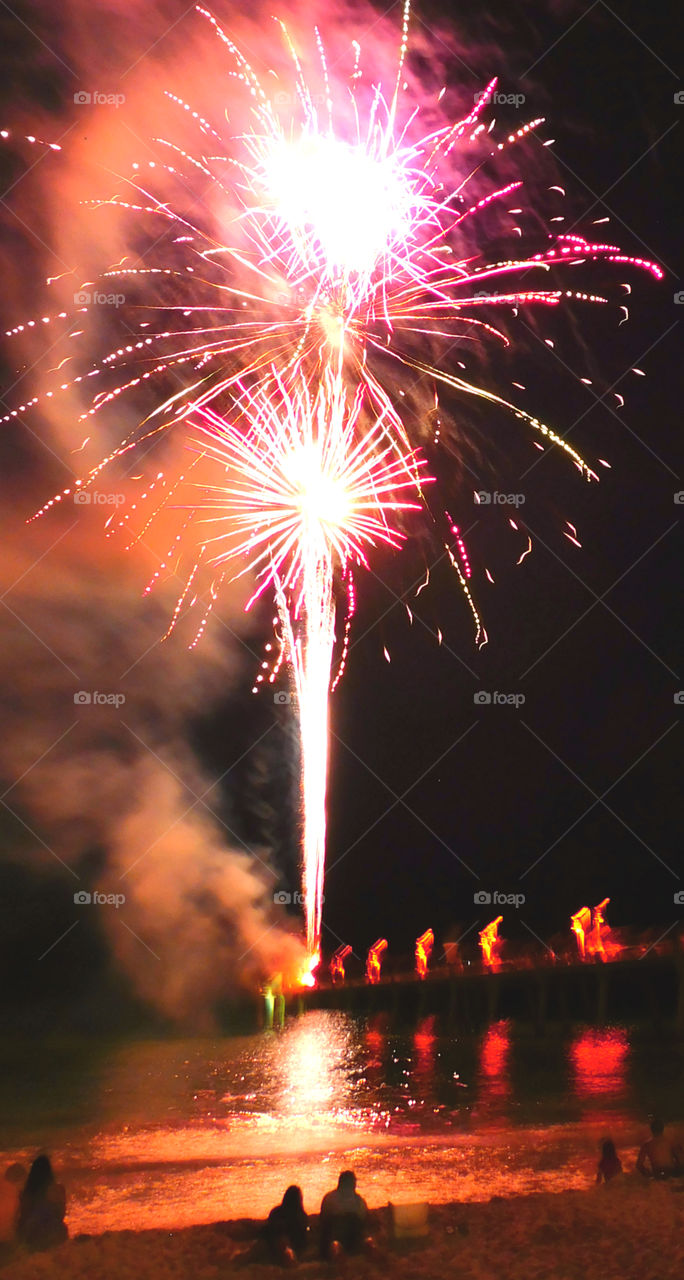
(424, 1043)
(493, 1079)
(494, 1052)
(375, 1039)
(424, 1037)
(599, 1064)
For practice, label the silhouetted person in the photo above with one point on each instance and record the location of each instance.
(610, 1164)
(287, 1228)
(42, 1205)
(10, 1187)
(343, 1218)
(659, 1157)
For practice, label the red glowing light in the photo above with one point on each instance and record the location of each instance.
(599, 1060)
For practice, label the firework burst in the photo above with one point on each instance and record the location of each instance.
(306, 492)
(336, 252)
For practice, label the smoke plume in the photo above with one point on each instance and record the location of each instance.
(96, 717)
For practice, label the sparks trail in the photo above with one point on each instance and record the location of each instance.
(298, 271)
(310, 485)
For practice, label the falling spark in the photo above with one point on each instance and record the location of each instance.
(527, 550)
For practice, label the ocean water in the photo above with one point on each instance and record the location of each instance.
(171, 1132)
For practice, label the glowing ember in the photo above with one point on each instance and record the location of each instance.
(337, 963)
(490, 943)
(580, 923)
(374, 961)
(597, 938)
(424, 945)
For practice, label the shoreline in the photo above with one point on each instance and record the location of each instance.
(628, 1230)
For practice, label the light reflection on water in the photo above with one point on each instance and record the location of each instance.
(494, 1081)
(168, 1133)
(599, 1061)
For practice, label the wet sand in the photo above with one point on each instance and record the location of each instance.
(630, 1230)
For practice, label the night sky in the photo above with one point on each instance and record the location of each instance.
(574, 794)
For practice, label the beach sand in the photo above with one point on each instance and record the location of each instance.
(631, 1229)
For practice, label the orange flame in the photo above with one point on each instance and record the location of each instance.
(306, 975)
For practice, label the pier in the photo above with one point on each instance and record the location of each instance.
(646, 988)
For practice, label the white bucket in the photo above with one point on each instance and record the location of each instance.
(409, 1221)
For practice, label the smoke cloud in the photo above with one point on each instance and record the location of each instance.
(96, 716)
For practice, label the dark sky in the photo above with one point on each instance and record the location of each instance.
(575, 794)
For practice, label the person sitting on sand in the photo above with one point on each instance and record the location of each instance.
(610, 1164)
(343, 1218)
(660, 1157)
(10, 1186)
(42, 1205)
(287, 1228)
